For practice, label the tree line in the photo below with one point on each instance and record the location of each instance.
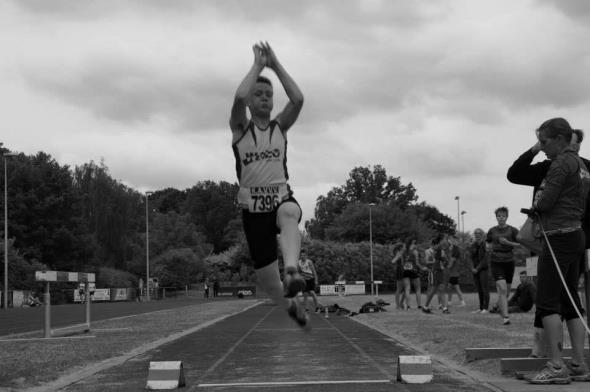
(81, 219)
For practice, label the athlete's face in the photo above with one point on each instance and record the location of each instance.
(261, 99)
(551, 146)
(478, 234)
(501, 217)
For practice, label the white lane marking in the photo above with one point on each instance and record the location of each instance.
(269, 383)
(47, 339)
(235, 345)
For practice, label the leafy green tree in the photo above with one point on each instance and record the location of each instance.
(435, 219)
(21, 272)
(112, 214)
(167, 232)
(178, 267)
(351, 260)
(174, 231)
(212, 206)
(342, 214)
(389, 224)
(169, 200)
(112, 278)
(44, 212)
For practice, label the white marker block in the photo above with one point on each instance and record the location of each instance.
(414, 369)
(165, 375)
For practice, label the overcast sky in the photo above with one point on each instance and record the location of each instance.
(443, 94)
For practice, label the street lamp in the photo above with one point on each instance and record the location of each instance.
(371, 245)
(6, 155)
(458, 217)
(147, 247)
(463, 220)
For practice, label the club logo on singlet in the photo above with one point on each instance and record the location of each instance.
(256, 156)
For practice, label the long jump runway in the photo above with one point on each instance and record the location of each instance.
(264, 349)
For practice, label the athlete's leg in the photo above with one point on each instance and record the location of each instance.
(407, 289)
(270, 282)
(459, 293)
(288, 216)
(315, 299)
(418, 291)
(441, 290)
(429, 295)
(398, 290)
(554, 332)
(305, 300)
(450, 293)
(577, 337)
(501, 288)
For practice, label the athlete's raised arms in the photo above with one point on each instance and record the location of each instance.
(289, 114)
(264, 56)
(238, 119)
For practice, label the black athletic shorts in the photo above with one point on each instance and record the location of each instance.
(502, 271)
(411, 274)
(551, 295)
(261, 234)
(309, 286)
(454, 280)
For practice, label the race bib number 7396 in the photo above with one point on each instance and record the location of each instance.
(262, 198)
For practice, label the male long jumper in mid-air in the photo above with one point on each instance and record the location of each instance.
(266, 199)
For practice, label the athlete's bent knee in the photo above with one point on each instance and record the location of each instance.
(289, 211)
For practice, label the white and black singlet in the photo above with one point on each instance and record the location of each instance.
(261, 167)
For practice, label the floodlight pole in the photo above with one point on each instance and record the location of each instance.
(463, 221)
(458, 215)
(371, 245)
(147, 247)
(6, 155)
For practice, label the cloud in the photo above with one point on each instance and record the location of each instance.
(133, 94)
(578, 10)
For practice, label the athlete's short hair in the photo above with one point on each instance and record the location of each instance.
(501, 209)
(263, 79)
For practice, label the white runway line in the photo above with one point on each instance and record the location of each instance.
(285, 383)
(47, 339)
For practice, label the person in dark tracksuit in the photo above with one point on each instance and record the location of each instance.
(480, 270)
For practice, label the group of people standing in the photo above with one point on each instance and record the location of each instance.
(441, 262)
(211, 287)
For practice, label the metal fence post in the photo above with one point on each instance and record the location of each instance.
(88, 300)
(47, 299)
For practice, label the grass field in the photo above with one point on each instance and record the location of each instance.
(445, 336)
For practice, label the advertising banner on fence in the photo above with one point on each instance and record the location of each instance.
(98, 295)
(119, 294)
(343, 289)
(237, 291)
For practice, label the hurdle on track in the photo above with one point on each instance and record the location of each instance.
(60, 276)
